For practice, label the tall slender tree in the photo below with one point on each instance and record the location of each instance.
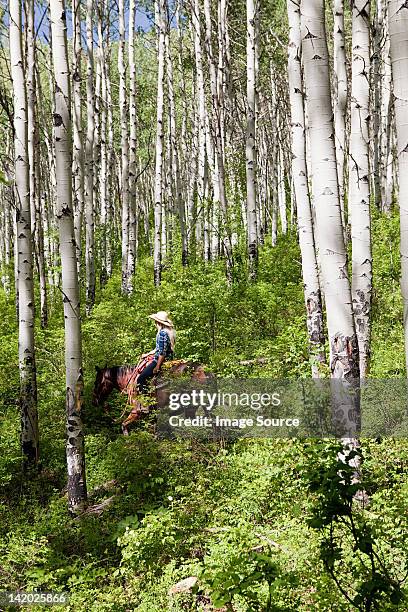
(89, 162)
(202, 122)
(359, 180)
(174, 147)
(398, 25)
(250, 145)
(124, 142)
(344, 362)
(24, 261)
(77, 493)
(310, 274)
(133, 220)
(78, 159)
(158, 183)
(340, 101)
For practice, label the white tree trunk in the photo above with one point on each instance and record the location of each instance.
(24, 262)
(344, 361)
(201, 107)
(158, 183)
(250, 145)
(310, 275)
(89, 163)
(282, 192)
(174, 150)
(398, 25)
(359, 181)
(386, 127)
(133, 221)
(78, 161)
(375, 109)
(124, 141)
(77, 494)
(104, 174)
(340, 103)
(219, 221)
(34, 160)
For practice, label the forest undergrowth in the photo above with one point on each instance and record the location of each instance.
(221, 512)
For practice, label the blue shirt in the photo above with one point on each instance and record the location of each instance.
(163, 345)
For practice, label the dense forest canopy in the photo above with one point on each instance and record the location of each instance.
(242, 166)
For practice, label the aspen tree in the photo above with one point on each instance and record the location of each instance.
(201, 115)
(7, 238)
(158, 183)
(133, 221)
(78, 158)
(398, 26)
(174, 149)
(343, 343)
(359, 181)
(344, 362)
(124, 142)
(185, 148)
(77, 493)
(220, 214)
(311, 285)
(34, 159)
(340, 100)
(111, 161)
(282, 191)
(386, 127)
(375, 109)
(89, 162)
(250, 145)
(23, 242)
(104, 174)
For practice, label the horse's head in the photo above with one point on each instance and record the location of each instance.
(103, 385)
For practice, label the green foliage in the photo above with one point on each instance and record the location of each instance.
(231, 514)
(349, 540)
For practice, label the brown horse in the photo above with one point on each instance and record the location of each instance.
(124, 380)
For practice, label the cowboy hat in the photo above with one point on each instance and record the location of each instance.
(162, 317)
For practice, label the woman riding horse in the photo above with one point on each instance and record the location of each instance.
(165, 341)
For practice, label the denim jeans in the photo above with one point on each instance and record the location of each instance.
(144, 376)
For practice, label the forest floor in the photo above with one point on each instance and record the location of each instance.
(235, 515)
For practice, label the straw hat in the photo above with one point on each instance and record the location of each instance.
(162, 317)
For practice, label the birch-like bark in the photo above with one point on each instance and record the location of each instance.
(311, 285)
(132, 253)
(282, 192)
(386, 127)
(110, 186)
(24, 262)
(174, 149)
(31, 103)
(78, 158)
(104, 174)
(158, 183)
(77, 494)
(340, 102)
(89, 162)
(344, 362)
(124, 141)
(220, 211)
(34, 161)
(250, 145)
(398, 27)
(378, 41)
(359, 180)
(201, 108)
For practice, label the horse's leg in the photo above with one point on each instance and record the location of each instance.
(133, 415)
